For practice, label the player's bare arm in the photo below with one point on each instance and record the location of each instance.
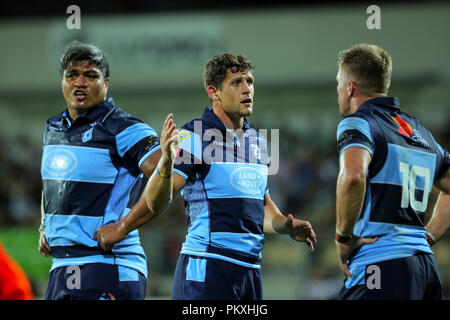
(439, 223)
(163, 183)
(276, 222)
(350, 191)
(351, 187)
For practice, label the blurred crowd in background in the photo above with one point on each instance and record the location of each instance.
(304, 186)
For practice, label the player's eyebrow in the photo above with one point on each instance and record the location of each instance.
(245, 76)
(92, 71)
(71, 70)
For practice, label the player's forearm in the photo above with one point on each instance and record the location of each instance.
(350, 193)
(439, 223)
(159, 191)
(139, 215)
(274, 220)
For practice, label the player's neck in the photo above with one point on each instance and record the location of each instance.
(75, 112)
(229, 121)
(358, 101)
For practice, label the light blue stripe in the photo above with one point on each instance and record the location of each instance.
(66, 230)
(236, 180)
(78, 261)
(181, 173)
(353, 123)
(131, 135)
(390, 173)
(220, 257)
(131, 239)
(198, 232)
(127, 274)
(359, 145)
(119, 196)
(72, 163)
(191, 142)
(135, 262)
(441, 150)
(249, 243)
(397, 241)
(148, 154)
(393, 239)
(196, 270)
(358, 271)
(62, 230)
(362, 223)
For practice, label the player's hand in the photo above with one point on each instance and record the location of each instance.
(301, 231)
(43, 246)
(108, 235)
(344, 250)
(169, 139)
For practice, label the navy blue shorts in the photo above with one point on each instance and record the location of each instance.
(96, 281)
(200, 278)
(412, 278)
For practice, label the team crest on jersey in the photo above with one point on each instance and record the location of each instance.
(60, 162)
(183, 135)
(87, 135)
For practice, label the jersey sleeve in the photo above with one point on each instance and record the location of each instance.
(442, 161)
(354, 132)
(137, 142)
(189, 152)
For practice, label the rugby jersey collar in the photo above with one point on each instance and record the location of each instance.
(209, 116)
(383, 102)
(92, 115)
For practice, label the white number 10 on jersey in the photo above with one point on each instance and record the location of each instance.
(409, 186)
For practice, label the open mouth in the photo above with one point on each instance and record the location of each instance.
(247, 102)
(80, 95)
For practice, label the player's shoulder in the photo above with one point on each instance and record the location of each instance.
(359, 121)
(192, 130)
(413, 121)
(117, 121)
(197, 125)
(55, 120)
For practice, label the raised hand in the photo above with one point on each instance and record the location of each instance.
(169, 139)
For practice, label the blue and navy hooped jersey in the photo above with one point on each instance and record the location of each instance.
(91, 177)
(406, 160)
(226, 181)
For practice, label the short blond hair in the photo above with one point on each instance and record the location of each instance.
(369, 66)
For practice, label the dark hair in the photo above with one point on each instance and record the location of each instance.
(216, 68)
(77, 51)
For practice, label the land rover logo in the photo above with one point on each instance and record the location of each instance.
(247, 179)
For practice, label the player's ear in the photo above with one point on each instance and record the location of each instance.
(351, 88)
(106, 86)
(212, 92)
